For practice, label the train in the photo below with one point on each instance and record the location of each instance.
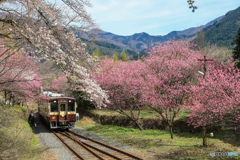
(57, 110)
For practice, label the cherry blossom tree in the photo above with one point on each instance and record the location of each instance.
(19, 78)
(125, 85)
(190, 2)
(48, 71)
(45, 29)
(215, 96)
(59, 84)
(159, 80)
(172, 65)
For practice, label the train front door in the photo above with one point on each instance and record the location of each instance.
(62, 112)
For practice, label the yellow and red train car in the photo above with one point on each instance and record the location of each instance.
(58, 111)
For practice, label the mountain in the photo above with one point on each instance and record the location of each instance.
(222, 32)
(138, 41)
(194, 30)
(219, 31)
(106, 48)
(95, 36)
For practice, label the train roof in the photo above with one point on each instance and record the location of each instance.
(51, 98)
(47, 95)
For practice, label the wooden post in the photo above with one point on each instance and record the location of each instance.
(205, 70)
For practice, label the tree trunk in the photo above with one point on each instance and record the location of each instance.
(10, 99)
(139, 126)
(5, 96)
(204, 137)
(171, 131)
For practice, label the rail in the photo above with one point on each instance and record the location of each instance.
(128, 154)
(89, 148)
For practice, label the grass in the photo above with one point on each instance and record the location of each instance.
(183, 114)
(17, 140)
(159, 145)
(86, 122)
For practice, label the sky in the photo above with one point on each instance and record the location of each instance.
(155, 17)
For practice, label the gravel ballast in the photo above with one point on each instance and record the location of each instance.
(101, 139)
(49, 140)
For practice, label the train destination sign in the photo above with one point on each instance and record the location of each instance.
(62, 100)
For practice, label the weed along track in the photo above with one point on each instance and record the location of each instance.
(88, 149)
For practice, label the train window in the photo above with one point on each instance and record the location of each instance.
(45, 106)
(71, 105)
(40, 102)
(62, 106)
(54, 106)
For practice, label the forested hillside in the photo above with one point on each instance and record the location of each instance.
(223, 31)
(105, 48)
(219, 31)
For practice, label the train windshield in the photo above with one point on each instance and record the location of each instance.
(71, 105)
(54, 106)
(62, 106)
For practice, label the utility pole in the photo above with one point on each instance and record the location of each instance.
(204, 61)
(204, 64)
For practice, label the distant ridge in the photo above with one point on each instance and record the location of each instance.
(222, 32)
(219, 31)
(138, 41)
(193, 30)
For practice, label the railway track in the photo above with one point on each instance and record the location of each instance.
(88, 149)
